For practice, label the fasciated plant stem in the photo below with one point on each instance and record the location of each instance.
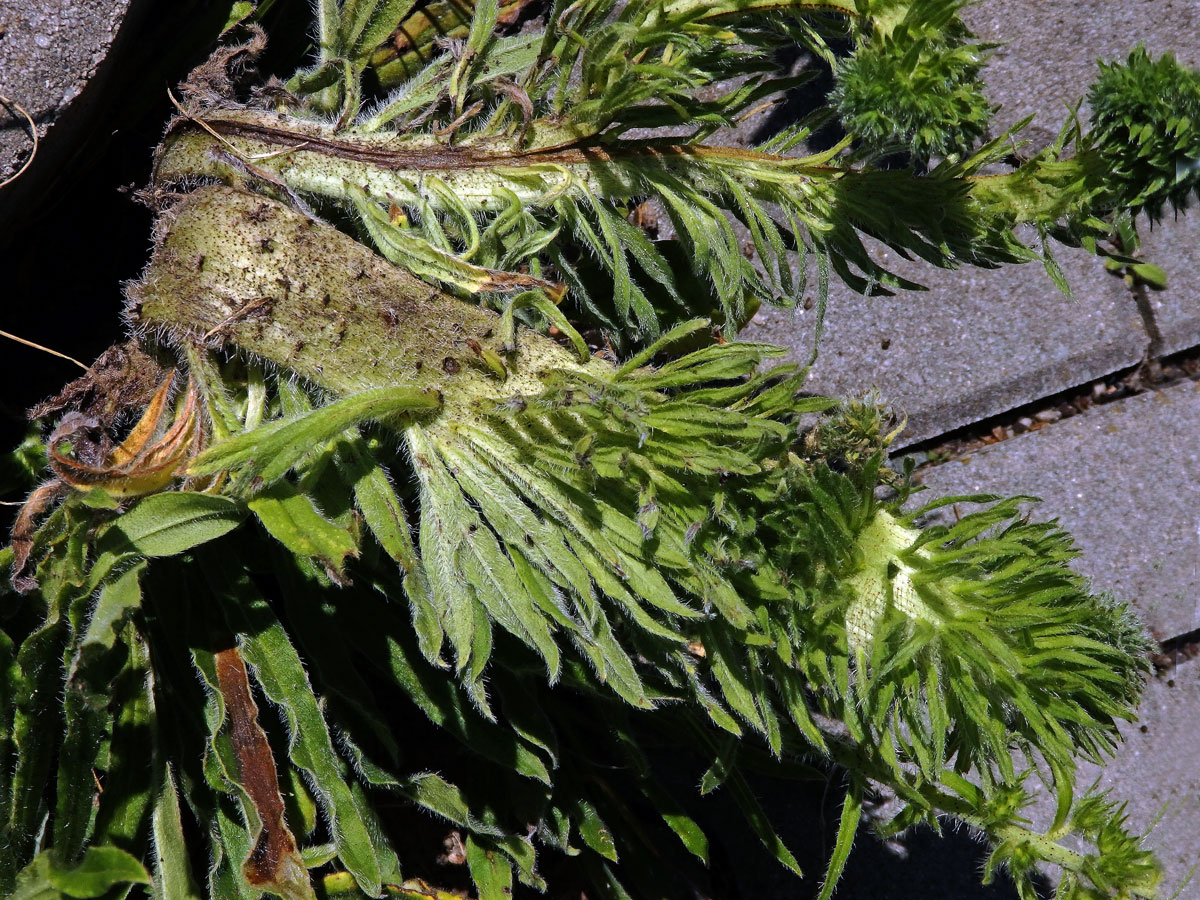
(239, 270)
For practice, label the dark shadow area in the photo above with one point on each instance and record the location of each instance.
(917, 866)
(803, 100)
(74, 232)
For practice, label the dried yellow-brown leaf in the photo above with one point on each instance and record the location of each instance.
(139, 465)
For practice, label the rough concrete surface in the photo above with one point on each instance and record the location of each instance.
(1123, 479)
(1174, 245)
(49, 52)
(977, 343)
(1050, 48)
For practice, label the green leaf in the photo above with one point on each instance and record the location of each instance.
(270, 451)
(128, 795)
(1149, 274)
(88, 724)
(732, 674)
(539, 301)
(39, 663)
(100, 869)
(439, 796)
(1054, 270)
(33, 881)
(238, 13)
(302, 805)
(490, 871)
(406, 248)
(372, 23)
(117, 600)
(172, 874)
(847, 828)
(690, 834)
(385, 516)
(376, 498)
(10, 679)
(293, 519)
(170, 523)
(595, 833)
(757, 819)
(97, 673)
(499, 589)
(726, 759)
(483, 25)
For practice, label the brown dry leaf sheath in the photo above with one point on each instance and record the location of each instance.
(275, 863)
(139, 465)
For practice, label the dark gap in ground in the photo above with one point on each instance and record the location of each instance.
(1176, 650)
(66, 255)
(1151, 375)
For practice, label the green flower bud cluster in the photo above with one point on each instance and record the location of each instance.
(1146, 126)
(916, 85)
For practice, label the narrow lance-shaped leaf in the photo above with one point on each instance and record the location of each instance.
(100, 869)
(168, 524)
(847, 828)
(172, 874)
(490, 871)
(274, 863)
(39, 663)
(291, 518)
(269, 451)
(95, 670)
(280, 672)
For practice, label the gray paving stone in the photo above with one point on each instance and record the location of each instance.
(1124, 479)
(977, 343)
(1051, 46)
(1174, 245)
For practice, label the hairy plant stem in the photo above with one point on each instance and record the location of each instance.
(315, 158)
(855, 759)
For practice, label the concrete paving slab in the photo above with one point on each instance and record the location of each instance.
(1050, 49)
(1123, 479)
(1174, 245)
(977, 343)
(48, 51)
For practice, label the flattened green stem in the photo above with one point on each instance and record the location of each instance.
(239, 270)
(484, 175)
